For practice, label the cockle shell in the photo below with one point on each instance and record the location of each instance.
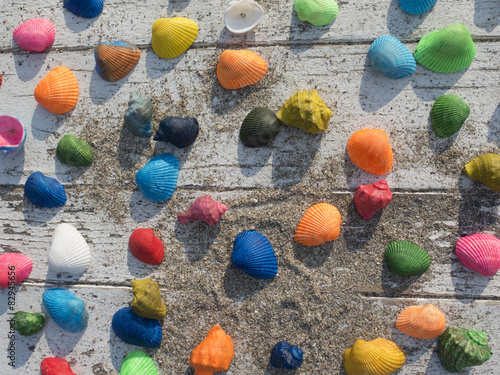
(317, 12)
(157, 180)
(84, 8)
(116, 60)
(421, 322)
(147, 301)
(146, 247)
(320, 223)
(204, 209)
(405, 258)
(213, 354)
(254, 254)
(135, 330)
(138, 363)
(479, 252)
(69, 251)
(14, 269)
(391, 58)
(73, 151)
(371, 198)
(416, 7)
(369, 150)
(34, 35)
(259, 127)
(44, 191)
(28, 324)
(66, 309)
(242, 16)
(173, 36)
(485, 168)
(287, 356)
(12, 135)
(55, 366)
(58, 91)
(138, 115)
(448, 114)
(180, 131)
(237, 69)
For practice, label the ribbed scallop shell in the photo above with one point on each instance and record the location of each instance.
(391, 58)
(66, 309)
(55, 366)
(479, 252)
(287, 356)
(173, 36)
(28, 324)
(116, 60)
(320, 223)
(138, 363)
(69, 251)
(242, 16)
(12, 135)
(213, 354)
(73, 151)
(58, 91)
(180, 131)
(369, 149)
(14, 269)
(448, 114)
(157, 180)
(416, 7)
(146, 247)
(237, 69)
(34, 35)
(44, 191)
(421, 322)
(135, 330)
(405, 258)
(254, 254)
(138, 115)
(147, 301)
(485, 168)
(317, 12)
(259, 127)
(84, 8)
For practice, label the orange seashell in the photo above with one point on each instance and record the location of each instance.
(320, 223)
(58, 90)
(237, 69)
(369, 149)
(421, 322)
(214, 354)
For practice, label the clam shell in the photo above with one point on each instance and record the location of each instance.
(405, 258)
(237, 69)
(479, 252)
(317, 12)
(147, 301)
(12, 135)
(180, 131)
(58, 91)
(173, 36)
(66, 309)
(416, 7)
(448, 114)
(253, 253)
(213, 354)
(146, 247)
(55, 366)
(421, 322)
(242, 16)
(138, 362)
(44, 191)
(135, 330)
(287, 356)
(28, 324)
(34, 35)
(391, 58)
(320, 223)
(204, 209)
(138, 115)
(157, 180)
(73, 151)
(485, 168)
(259, 127)
(116, 60)
(14, 269)
(69, 251)
(369, 199)
(84, 8)
(369, 150)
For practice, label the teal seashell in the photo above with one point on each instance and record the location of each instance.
(65, 309)
(405, 258)
(259, 127)
(391, 58)
(28, 324)
(416, 7)
(138, 115)
(138, 363)
(44, 191)
(317, 12)
(157, 180)
(73, 151)
(448, 114)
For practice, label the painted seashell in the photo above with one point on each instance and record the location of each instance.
(237, 69)
(138, 362)
(307, 111)
(173, 36)
(369, 150)
(371, 198)
(69, 251)
(12, 135)
(242, 16)
(138, 115)
(1, 80)
(213, 354)
(157, 180)
(287, 356)
(180, 131)
(44, 191)
(146, 247)
(405, 258)
(317, 12)
(479, 252)
(55, 366)
(448, 114)
(28, 324)
(459, 348)
(446, 51)
(66, 309)
(14, 269)
(416, 7)
(58, 91)
(147, 301)
(391, 58)
(73, 151)
(135, 330)
(253, 253)
(84, 8)
(485, 168)
(204, 209)
(259, 127)
(34, 35)
(116, 60)
(421, 322)
(376, 357)
(320, 224)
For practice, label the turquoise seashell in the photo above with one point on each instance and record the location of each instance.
(44, 191)
(254, 254)
(12, 134)
(66, 309)
(317, 12)
(448, 114)
(157, 180)
(391, 58)
(405, 258)
(84, 8)
(136, 330)
(416, 7)
(138, 115)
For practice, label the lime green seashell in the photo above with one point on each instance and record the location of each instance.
(485, 168)
(28, 324)
(405, 258)
(448, 114)
(317, 12)
(73, 151)
(138, 363)
(147, 301)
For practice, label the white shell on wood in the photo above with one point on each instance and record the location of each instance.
(69, 251)
(242, 16)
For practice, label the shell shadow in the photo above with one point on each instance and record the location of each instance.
(197, 237)
(303, 30)
(62, 277)
(181, 153)
(12, 168)
(137, 268)
(486, 14)
(429, 85)
(356, 176)
(227, 37)
(394, 285)
(313, 257)
(78, 24)
(131, 147)
(466, 282)
(439, 145)
(157, 67)
(239, 286)
(271, 370)
(68, 174)
(176, 5)
(413, 348)
(142, 209)
(25, 346)
(401, 24)
(358, 232)
(28, 64)
(45, 123)
(101, 91)
(35, 216)
(494, 127)
(253, 159)
(223, 101)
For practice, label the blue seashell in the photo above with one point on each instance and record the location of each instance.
(12, 135)
(158, 178)
(286, 356)
(44, 191)
(179, 131)
(254, 254)
(391, 58)
(65, 309)
(138, 115)
(136, 330)
(416, 7)
(84, 8)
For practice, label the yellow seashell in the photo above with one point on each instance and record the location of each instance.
(147, 301)
(173, 36)
(485, 168)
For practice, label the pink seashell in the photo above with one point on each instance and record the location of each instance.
(14, 268)
(35, 35)
(204, 209)
(479, 252)
(371, 198)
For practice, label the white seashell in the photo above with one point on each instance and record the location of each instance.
(242, 16)
(69, 251)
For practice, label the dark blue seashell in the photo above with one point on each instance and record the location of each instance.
(416, 7)
(138, 115)
(391, 58)
(286, 356)
(44, 191)
(136, 330)
(180, 131)
(157, 180)
(65, 309)
(84, 8)
(254, 254)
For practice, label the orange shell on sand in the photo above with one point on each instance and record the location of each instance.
(320, 223)
(369, 149)
(237, 69)
(421, 322)
(58, 90)
(214, 354)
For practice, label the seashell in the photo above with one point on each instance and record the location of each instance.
(73, 151)
(391, 58)
(69, 251)
(259, 127)
(213, 354)
(157, 180)
(58, 91)
(320, 223)
(446, 51)
(204, 209)
(55, 366)
(180, 131)
(287, 356)
(173, 36)
(242, 16)
(416, 7)
(421, 322)
(116, 60)
(448, 114)
(307, 111)
(459, 348)
(237, 69)
(84, 8)
(138, 362)
(376, 357)
(28, 324)
(405, 258)
(44, 191)
(147, 301)
(12, 135)
(34, 35)
(253, 253)
(135, 330)
(369, 150)
(317, 12)
(14, 269)
(146, 247)
(1, 80)
(485, 168)
(479, 252)
(65, 309)
(138, 115)
(371, 198)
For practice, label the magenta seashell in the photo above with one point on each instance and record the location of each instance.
(34, 35)
(14, 269)
(479, 252)
(371, 198)
(204, 209)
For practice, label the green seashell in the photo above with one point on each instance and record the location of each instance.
(317, 12)
(405, 258)
(28, 324)
(259, 127)
(459, 348)
(448, 114)
(147, 301)
(73, 151)
(138, 363)
(485, 168)
(446, 51)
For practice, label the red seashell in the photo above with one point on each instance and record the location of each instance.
(14, 265)
(1, 80)
(479, 252)
(204, 209)
(146, 247)
(55, 366)
(371, 198)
